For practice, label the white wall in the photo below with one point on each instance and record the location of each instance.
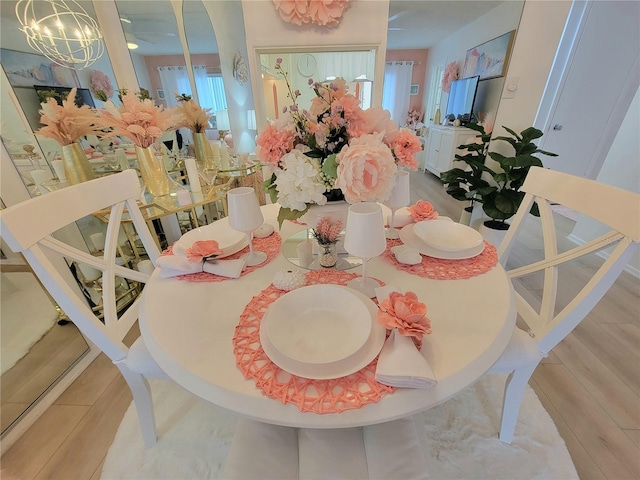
(621, 169)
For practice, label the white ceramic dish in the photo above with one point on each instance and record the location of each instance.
(447, 236)
(318, 324)
(328, 371)
(408, 237)
(229, 240)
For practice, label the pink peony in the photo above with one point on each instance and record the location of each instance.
(201, 249)
(422, 210)
(406, 313)
(272, 144)
(293, 11)
(366, 170)
(405, 145)
(379, 120)
(327, 12)
(357, 124)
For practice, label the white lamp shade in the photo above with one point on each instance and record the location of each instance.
(222, 120)
(365, 235)
(245, 214)
(400, 194)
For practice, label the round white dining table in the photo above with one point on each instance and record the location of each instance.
(188, 329)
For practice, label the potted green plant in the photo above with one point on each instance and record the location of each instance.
(499, 195)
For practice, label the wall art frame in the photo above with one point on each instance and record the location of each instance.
(25, 69)
(489, 59)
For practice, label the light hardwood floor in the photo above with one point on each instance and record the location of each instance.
(590, 385)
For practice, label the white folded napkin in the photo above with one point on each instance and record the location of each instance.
(174, 265)
(400, 363)
(401, 219)
(406, 254)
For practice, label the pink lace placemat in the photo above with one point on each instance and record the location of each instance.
(441, 269)
(318, 396)
(270, 245)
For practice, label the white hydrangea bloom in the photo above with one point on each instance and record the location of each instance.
(299, 182)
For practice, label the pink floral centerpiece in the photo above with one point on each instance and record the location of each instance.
(333, 150)
(327, 13)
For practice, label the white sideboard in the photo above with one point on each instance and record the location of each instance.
(442, 146)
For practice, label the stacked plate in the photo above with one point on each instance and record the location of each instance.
(443, 239)
(229, 240)
(322, 332)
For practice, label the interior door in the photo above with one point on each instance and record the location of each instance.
(596, 88)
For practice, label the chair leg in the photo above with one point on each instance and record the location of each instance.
(513, 393)
(144, 404)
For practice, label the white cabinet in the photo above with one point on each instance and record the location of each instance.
(442, 146)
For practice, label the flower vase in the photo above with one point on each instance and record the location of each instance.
(76, 164)
(154, 174)
(328, 254)
(203, 150)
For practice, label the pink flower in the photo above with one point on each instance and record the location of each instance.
(293, 11)
(379, 120)
(450, 74)
(101, 85)
(422, 210)
(405, 313)
(326, 231)
(366, 170)
(273, 144)
(202, 249)
(192, 116)
(354, 116)
(405, 145)
(327, 12)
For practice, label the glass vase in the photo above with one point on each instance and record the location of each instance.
(203, 150)
(76, 164)
(328, 254)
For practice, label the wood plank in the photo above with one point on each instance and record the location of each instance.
(91, 383)
(634, 435)
(37, 446)
(614, 453)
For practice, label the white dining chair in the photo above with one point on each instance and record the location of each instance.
(30, 228)
(547, 323)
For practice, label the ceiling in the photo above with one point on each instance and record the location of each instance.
(412, 23)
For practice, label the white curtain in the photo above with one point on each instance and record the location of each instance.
(397, 89)
(174, 80)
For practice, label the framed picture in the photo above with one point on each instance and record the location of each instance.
(28, 69)
(160, 94)
(490, 59)
(415, 89)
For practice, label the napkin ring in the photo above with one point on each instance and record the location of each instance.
(288, 280)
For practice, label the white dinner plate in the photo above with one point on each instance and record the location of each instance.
(318, 324)
(447, 236)
(339, 369)
(409, 237)
(229, 240)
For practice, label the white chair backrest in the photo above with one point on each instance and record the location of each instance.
(618, 209)
(28, 227)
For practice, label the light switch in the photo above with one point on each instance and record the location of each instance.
(510, 87)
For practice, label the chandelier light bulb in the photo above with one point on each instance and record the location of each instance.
(77, 41)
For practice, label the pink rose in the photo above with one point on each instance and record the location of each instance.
(406, 313)
(422, 210)
(201, 249)
(366, 170)
(318, 106)
(293, 11)
(327, 12)
(405, 145)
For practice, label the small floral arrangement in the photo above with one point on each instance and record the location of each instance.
(141, 121)
(101, 85)
(191, 115)
(334, 147)
(320, 12)
(66, 124)
(422, 210)
(450, 74)
(407, 314)
(327, 232)
(414, 120)
(203, 250)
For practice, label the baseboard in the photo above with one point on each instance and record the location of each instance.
(46, 400)
(630, 269)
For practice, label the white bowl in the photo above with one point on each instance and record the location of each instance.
(447, 236)
(229, 240)
(318, 324)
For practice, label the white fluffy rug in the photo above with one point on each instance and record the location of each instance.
(27, 314)
(194, 439)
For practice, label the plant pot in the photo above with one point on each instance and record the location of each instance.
(465, 216)
(492, 234)
(76, 165)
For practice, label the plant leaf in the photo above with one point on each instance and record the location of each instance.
(330, 166)
(289, 214)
